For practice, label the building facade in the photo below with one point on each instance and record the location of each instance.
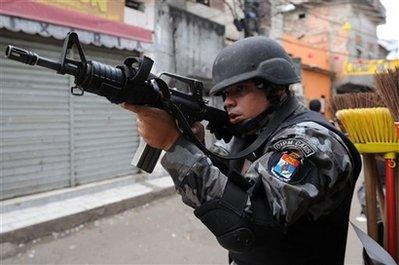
(49, 138)
(329, 36)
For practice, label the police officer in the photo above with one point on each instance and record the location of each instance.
(315, 105)
(286, 202)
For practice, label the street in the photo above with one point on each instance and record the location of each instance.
(273, 75)
(161, 232)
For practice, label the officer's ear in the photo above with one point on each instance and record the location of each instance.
(274, 93)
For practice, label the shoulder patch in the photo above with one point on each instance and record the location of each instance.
(286, 167)
(296, 144)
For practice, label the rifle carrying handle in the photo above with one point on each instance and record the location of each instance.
(149, 158)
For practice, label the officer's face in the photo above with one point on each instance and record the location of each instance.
(244, 101)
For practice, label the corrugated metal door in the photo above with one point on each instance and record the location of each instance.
(50, 139)
(35, 125)
(104, 134)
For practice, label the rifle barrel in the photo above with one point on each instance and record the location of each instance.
(31, 58)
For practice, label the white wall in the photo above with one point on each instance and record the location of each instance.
(141, 19)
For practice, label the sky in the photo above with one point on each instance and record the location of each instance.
(390, 30)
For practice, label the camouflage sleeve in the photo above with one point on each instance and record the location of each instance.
(194, 175)
(303, 170)
(222, 148)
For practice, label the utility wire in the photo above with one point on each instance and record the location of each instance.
(325, 50)
(314, 48)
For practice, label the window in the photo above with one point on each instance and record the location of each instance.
(358, 53)
(134, 4)
(204, 2)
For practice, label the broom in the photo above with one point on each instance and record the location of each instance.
(365, 100)
(387, 84)
(372, 130)
(388, 89)
(355, 101)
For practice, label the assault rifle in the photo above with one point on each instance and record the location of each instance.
(133, 83)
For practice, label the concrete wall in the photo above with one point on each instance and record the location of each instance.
(186, 44)
(362, 36)
(196, 42)
(307, 26)
(143, 19)
(219, 12)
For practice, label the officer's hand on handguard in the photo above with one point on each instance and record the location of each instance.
(156, 126)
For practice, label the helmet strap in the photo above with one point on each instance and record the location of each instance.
(275, 102)
(249, 125)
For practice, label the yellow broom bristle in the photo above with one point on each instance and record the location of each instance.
(368, 125)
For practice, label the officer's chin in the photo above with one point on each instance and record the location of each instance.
(236, 119)
(245, 127)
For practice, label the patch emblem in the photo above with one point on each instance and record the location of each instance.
(286, 167)
(297, 144)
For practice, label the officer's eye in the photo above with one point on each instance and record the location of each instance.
(240, 89)
(235, 91)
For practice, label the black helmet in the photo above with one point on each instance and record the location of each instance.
(253, 57)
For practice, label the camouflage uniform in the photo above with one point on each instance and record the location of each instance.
(314, 186)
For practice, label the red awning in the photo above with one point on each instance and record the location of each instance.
(40, 12)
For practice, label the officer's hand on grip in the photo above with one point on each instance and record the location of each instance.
(199, 131)
(156, 126)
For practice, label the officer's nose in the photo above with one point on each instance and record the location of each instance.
(229, 102)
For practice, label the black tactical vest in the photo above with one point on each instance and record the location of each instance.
(258, 239)
(306, 242)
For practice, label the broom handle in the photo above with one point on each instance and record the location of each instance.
(382, 208)
(391, 204)
(397, 207)
(381, 198)
(370, 175)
